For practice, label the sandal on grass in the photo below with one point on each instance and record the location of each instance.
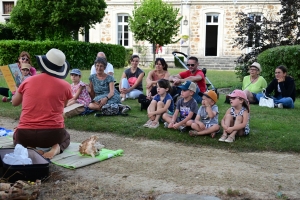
(193, 133)
(148, 123)
(223, 138)
(230, 139)
(154, 124)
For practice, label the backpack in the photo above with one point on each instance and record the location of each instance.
(142, 99)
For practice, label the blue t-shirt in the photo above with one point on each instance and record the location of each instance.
(167, 97)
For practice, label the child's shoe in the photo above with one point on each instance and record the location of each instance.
(6, 99)
(230, 139)
(166, 124)
(223, 138)
(182, 129)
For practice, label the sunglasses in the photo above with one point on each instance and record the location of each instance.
(25, 69)
(192, 65)
(25, 59)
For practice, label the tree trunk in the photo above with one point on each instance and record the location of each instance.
(154, 51)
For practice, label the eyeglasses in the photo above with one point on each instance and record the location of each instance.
(252, 69)
(25, 59)
(192, 65)
(74, 74)
(25, 69)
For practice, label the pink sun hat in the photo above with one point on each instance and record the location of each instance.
(240, 94)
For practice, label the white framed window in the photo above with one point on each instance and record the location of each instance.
(254, 39)
(123, 32)
(7, 7)
(256, 17)
(212, 19)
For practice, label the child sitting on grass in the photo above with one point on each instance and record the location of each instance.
(79, 90)
(186, 108)
(161, 103)
(236, 118)
(206, 121)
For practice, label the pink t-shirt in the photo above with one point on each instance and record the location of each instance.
(84, 97)
(201, 84)
(44, 98)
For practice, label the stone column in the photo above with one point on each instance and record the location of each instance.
(185, 28)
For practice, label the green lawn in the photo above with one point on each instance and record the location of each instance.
(271, 129)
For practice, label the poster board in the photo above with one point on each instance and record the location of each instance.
(12, 75)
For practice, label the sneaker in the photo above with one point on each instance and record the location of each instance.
(280, 105)
(123, 99)
(166, 124)
(182, 129)
(6, 99)
(125, 109)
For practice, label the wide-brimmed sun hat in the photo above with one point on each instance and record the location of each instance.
(256, 65)
(54, 63)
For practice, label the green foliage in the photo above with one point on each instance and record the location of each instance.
(288, 56)
(155, 21)
(55, 20)
(129, 52)
(177, 63)
(80, 55)
(6, 32)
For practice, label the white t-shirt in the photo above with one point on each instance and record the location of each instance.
(109, 68)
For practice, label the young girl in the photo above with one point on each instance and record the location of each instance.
(79, 90)
(160, 104)
(236, 118)
(206, 121)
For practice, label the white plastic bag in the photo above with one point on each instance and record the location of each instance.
(18, 157)
(266, 101)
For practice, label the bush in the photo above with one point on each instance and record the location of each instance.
(129, 53)
(288, 56)
(80, 55)
(6, 32)
(177, 63)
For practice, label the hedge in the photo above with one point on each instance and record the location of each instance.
(80, 55)
(289, 56)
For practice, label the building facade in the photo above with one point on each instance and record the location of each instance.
(208, 24)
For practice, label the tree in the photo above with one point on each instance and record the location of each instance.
(155, 21)
(55, 20)
(272, 31)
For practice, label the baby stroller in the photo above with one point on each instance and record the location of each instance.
(209, 85)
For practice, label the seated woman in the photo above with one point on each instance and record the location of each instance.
(102, 87)
(283, 87)
(160, 72)
(43, 98)
(132, 80)
(254, 83)
(24, 57)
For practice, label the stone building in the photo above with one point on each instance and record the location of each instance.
(209, 25)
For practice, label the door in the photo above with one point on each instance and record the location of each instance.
(211, 33)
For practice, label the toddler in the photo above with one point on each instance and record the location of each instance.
(25, 69)
(79, 90)
(186, 108)
(236, 118)
(161, 103)
(206, 121)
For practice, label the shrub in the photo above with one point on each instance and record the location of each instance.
(80, 55)
(129, 53)
(288, 56)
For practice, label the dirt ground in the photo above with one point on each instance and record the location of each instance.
(149, 168)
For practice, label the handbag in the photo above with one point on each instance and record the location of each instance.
(266, 101)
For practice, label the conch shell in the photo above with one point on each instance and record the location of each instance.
(90, 146)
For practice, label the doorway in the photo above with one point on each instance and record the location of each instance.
(211, 41)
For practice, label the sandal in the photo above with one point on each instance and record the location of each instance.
(148, 123)
(193, 133)
(230, 139)
(223, 138)
(154, 124)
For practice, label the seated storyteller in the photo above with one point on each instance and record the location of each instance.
(41, 122)
(109, 68)
(193, 74)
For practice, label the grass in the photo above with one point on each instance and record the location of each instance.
(271, 129)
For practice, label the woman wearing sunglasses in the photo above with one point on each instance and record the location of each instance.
(24, 57)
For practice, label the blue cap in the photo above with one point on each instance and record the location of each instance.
(76, 71)
(188, 85)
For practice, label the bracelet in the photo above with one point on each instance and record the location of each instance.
(107, 97)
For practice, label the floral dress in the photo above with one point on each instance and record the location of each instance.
(232, 112)
(84, 97)
(101, 89)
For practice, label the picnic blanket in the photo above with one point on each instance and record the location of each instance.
(71, 158)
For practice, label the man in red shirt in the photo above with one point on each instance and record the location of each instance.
(193, 74)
